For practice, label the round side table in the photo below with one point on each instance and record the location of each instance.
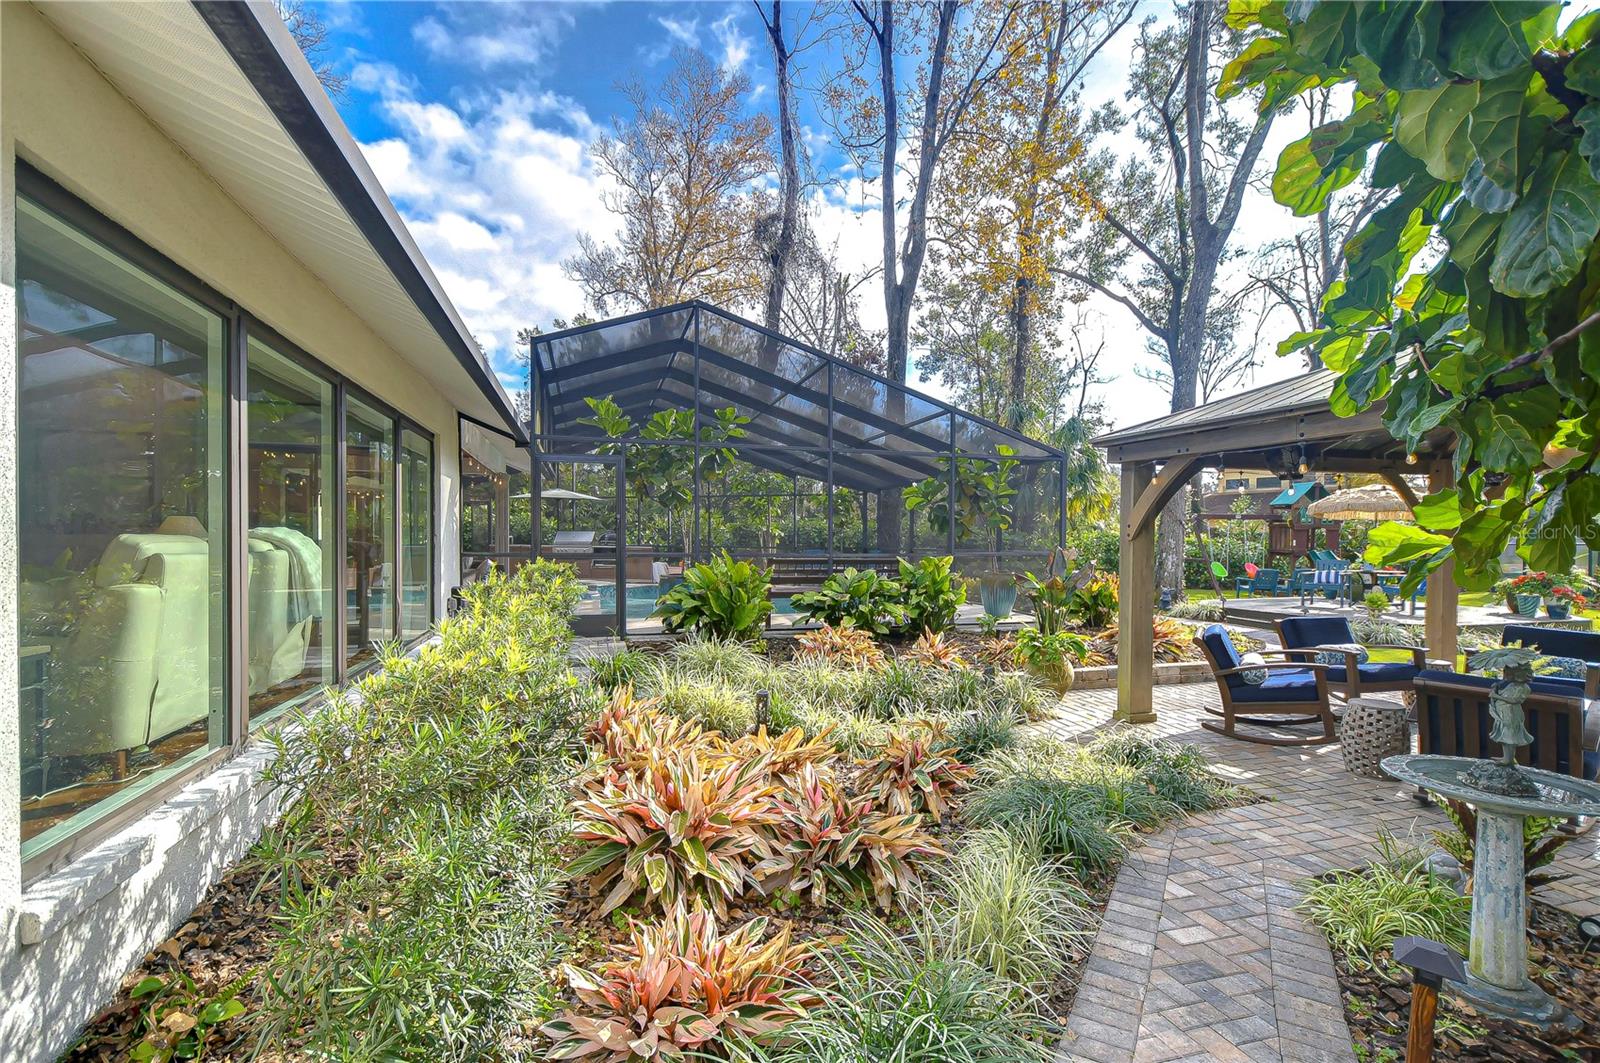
(1369, 730)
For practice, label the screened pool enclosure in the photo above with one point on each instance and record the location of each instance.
(667, 436)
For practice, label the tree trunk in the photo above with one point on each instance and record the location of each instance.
(789, 181)
(1022, 335)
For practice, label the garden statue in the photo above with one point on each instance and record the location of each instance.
(1509, 727)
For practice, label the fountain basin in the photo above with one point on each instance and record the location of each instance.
(1497, 967)
(1559, 795)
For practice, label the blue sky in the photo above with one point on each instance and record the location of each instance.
(477, 119)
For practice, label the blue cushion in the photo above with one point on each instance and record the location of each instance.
(1555, 641)
(1387, 672)
(1283, 684)
(1220, 647)
(1300, 631)
(1562, 688)
(1591, 765)
(1564, 668)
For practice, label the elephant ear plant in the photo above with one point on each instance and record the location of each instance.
(932, 596)
(723, 598)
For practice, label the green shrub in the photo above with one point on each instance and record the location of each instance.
(620, 669)
(715, 704)
(1362, 912)
(984, 731)
(723, 598)
(858, 597)
(1176, 773)
(708, 657)
(1057, 813)
(1094, 605)
(931, 596)
(1000, 903)
(899, 690)
(416, 861)
(887, 997)
(1208, 610)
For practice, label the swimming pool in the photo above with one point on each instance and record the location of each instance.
(641, 600)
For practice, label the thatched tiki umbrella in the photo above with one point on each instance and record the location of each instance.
(1372, 502)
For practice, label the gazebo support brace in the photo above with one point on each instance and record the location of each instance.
(1439, 624)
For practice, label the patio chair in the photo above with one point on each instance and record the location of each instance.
(1265, 581)
(1293, 694)
(1561, 642)
(1302, 581)
(1392, 589)
(1453, 720)
(1303, 637)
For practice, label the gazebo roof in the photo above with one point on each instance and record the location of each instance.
(1270, 426)
(803, 403)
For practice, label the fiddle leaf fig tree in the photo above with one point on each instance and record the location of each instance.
(660, 452)
(1471, 302)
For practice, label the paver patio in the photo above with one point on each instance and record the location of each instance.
(1201, 954)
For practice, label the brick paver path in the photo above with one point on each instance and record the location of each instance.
(1201, 955)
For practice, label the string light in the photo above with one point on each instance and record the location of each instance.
(1411, 459)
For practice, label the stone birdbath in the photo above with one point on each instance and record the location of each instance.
(1504, 794)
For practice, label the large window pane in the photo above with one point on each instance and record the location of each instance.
(416, 534)
(292, 552)
(369, 530)
(121, 513)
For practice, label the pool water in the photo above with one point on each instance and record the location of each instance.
(641, 600)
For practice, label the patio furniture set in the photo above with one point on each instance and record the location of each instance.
(1320, 661)
(1330, 575)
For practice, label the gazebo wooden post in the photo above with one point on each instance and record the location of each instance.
(1443, 595)
(1136, 571)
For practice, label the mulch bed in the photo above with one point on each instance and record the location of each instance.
(227, 939)
(1377, 1004)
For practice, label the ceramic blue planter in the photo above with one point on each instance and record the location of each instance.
(1557, 609)
(1528, 605)
(998, 598)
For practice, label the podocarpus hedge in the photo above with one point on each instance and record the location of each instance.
(417, 862)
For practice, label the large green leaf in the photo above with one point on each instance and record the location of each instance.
(1588, 120)
(1583, 71)
(1548, 233)
(1432, 124)
(1495, 128)
(1485, 38)
(1303, 183)
(1440, 511)
(1400, 544)
(1401, 37)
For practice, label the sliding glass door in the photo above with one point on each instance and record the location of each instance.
(416, 533)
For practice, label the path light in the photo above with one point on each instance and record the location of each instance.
(1431, 963)
(1589, 929)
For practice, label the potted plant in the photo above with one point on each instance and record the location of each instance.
(1523, 593)
(1561, 599)
(1051, 656)
(998, 593)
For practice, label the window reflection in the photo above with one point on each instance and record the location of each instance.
(291, 548)
(416, 534)
(369, 531)
(121, 519)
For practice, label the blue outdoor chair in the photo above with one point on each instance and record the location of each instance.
(1293, 693)
(1561, 642)
(1393, 591)
(1265, 582)
(1301, 637)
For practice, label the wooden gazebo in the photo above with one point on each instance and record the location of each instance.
(1281, 427)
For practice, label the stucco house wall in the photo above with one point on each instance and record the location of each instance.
(67, 939)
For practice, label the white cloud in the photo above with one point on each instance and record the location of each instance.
(495, 191)
(493, 35)
(683, 30)
(735, 45)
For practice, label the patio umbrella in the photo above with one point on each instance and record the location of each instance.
(1372, 502)
(561, 492)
